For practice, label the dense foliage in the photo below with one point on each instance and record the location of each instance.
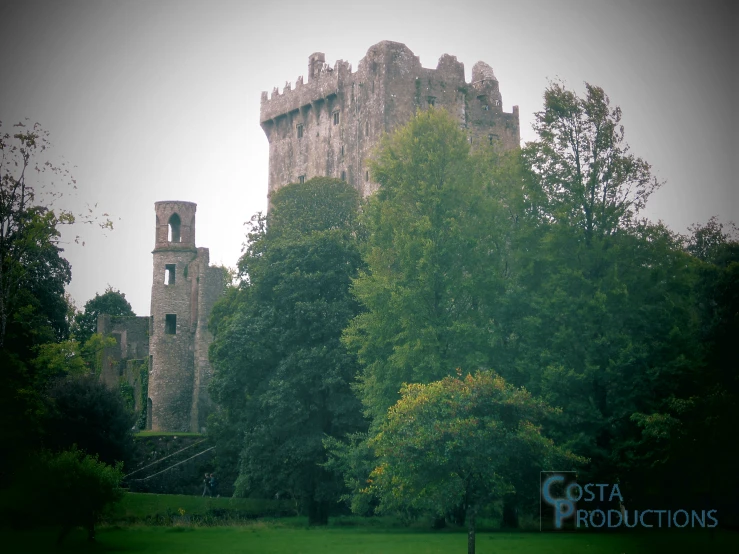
(45, 399)
(83, 411)
(111, 302)
(537, 264)
(69, 489)
(435, 254)
(282, 378)
(461, 442)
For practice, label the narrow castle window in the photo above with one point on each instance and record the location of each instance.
(342, 149)
(366, 175)
(431, 100)
(366, 128)
(299, 126)
(301, 179)
(170, 324)
(174, 228)
(336, 117)
(149, 406)
(169, 274)
(343, 175)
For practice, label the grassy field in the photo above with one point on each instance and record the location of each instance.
(166, 434)
(138, 507)
(274, 538)
(185, 525)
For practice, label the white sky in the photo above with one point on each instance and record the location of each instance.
(159, 100)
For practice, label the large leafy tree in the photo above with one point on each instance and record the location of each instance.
(435, 254)
(601, 321)
(83, 411)
(32, 271)
(68, 489)
(691, 428)
(282, 376)
(461, 441)
(111, 302)
(586, 176)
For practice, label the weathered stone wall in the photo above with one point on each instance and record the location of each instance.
(387, 89)
(179, 370)
(131, 334)
(171, 365)
(211, 285)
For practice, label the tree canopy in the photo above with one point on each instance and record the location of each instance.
(461, 441)
(434, 254)
(111, 302)
(282, 377)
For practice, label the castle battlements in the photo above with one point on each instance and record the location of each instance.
(329, 123)
(324, 82)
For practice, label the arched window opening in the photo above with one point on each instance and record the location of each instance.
(174, 228)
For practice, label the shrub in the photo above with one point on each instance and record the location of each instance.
(85, 412)
(69, 488)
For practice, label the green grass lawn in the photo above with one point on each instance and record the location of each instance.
(139, 506)
(166, 434)
(125, 532)
(273, 537)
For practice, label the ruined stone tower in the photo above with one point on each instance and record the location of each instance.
(329, 124)
(184, 289)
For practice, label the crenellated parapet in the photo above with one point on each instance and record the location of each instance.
(323, 82)
(329, 123)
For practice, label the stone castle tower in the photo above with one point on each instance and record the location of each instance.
(184, 289)
(328, 124)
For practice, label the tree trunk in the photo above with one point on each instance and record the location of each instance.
(318, 512)
(510, 513)
(470, 528)
(458, 514)
(63, 532)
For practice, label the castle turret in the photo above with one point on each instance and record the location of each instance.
(183, 291)
(173, 317)
(315, 64)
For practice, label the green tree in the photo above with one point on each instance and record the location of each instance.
(691, 427)
(435, 253)
(83, 411)
(69, 488)
(32, 271)
(461, 441)
(281, 373)
(601, 320)
(111, 302)
(585, 176)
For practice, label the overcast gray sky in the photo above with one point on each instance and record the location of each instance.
(159, 100)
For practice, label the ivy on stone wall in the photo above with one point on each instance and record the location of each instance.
(144, 380)
(127, 393)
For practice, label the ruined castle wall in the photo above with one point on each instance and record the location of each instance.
(387, 89)
(211, 285)
(132, 376)
(131, 334)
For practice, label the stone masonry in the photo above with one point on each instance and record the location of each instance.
(123, 361)
(184, 289)
(175, 338)
(329, 123)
